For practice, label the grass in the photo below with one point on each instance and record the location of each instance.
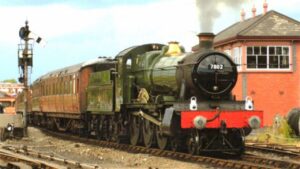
(279, 133)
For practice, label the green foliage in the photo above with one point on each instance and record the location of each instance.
(284, 129)
(10, 81)
(280, 133)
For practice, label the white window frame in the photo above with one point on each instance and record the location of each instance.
(268, 59)
(237, 57)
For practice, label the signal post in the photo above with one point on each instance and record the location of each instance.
(25, 53)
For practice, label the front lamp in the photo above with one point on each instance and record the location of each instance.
(9, 127)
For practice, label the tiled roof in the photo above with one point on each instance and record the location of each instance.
(271, 24)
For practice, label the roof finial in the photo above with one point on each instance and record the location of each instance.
(243, 14)
(253, 11)
(265, 6)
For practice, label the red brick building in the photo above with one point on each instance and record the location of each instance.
(266, 49)
(7, 102)
(11, 89)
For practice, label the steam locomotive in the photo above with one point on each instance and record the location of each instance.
(152, 94)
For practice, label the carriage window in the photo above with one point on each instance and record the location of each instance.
(74, 86)
(77, 86)
(67, 87)
(71, 86)
(47, 88)
(44, 89)
(61, 86)
(128, 63)
(53, 88)
(57, 87)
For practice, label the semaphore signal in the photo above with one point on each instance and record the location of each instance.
(25, 62)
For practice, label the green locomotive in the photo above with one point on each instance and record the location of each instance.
(150, 94)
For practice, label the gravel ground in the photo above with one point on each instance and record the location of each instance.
(106, 158)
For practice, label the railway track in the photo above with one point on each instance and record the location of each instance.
(269, 161)
(283, 150)
(61, 163)
(250, 161)
(13, 160)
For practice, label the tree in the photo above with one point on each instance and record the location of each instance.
(10, 81)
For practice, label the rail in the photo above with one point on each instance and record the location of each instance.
(246, 161)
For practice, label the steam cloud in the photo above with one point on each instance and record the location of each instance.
(208, 11)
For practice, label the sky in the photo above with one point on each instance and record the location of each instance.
(79, 30)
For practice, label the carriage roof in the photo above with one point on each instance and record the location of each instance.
(74, 68)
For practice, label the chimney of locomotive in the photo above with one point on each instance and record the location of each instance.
(206, 40)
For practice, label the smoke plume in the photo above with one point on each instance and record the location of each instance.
(208, 11)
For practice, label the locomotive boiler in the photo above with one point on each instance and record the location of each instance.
(205, 74)
(153, 94)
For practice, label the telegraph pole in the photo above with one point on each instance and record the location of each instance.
(25, 53)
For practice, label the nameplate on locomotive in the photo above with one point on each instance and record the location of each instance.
(215, 66)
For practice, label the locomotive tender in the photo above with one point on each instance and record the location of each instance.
(150, 94)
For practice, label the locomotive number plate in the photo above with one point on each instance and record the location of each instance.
(215, 66)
